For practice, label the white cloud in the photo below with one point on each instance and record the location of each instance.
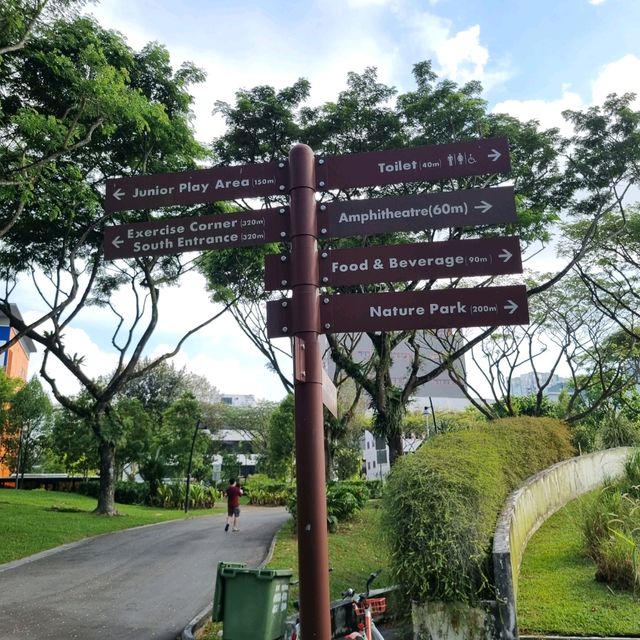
(220, 351)
(547, 112)
(462, 57)
(97, 361)
(359, 4)
(619, 76)
(459, 56)
(597, 2)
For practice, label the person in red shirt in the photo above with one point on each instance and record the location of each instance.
(233, 493)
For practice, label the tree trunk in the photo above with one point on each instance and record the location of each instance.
(106, 498)
(395, 447)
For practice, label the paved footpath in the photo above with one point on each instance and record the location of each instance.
(140, 584)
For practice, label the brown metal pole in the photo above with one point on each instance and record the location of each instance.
(313, 554)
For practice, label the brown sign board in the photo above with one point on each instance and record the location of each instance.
(433, 309)
(196, 187)
(405, 262)
(196, 233)
(415, 164)
(418, 212)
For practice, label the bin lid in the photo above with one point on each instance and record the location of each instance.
(218, 594)
(231, 571)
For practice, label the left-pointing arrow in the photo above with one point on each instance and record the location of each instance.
(116, 242)
(511, 306)
(118, 194)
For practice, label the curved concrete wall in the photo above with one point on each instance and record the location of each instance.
(530, 505)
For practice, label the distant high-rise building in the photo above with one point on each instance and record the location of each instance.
(527, 384)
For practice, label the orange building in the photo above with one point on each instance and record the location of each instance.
(14, 361)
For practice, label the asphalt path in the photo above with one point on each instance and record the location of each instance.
(139, 584)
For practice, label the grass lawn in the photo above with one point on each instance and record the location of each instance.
(33, 521)
(557, 592)
(355, 550)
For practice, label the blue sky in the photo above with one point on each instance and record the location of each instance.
(534, 59)
(554, 51)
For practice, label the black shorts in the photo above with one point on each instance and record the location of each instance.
(233, 511)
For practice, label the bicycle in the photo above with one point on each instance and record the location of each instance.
(363, 609)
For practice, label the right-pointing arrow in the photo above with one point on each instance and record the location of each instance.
(511, 306)
(505, 255)
(117, 242)
(494, 155)
(483, 206)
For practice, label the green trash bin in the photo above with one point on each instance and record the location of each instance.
(217, 612)
(252, 603)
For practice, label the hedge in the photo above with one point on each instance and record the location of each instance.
(345, 498)
(125, 492)
(441, 503)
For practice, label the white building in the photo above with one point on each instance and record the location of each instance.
(239, 400)
(375, 454)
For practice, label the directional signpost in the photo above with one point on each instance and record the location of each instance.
(404, 262)
(465, 208)
(196, 187)
(433, 309)
(196, 233)
(307, 314)
(416, 164)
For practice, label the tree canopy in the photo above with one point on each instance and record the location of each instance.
(580, 180)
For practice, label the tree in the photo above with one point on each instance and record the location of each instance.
(73, 443)
(180, 419)
(113, 112)
(279, 457)
(552, 177)
(29, 418)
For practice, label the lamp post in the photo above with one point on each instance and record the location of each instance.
(199, 426)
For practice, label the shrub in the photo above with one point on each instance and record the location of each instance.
(263, 490)
(171, 496)
(375, 488)
(344, 499)
(89, 488)
(441, 503)
(618, 431)
(132, 492)
(611, 528)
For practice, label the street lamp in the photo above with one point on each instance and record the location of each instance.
(199, 426)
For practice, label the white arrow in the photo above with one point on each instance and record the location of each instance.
(117, 242)
(118, 194)
(495, 154)
(511, 307)
(485, 206)
(505, 255)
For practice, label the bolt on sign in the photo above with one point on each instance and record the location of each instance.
(405, 262)
(408, 310)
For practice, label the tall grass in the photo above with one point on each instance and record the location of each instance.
(612, 530)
